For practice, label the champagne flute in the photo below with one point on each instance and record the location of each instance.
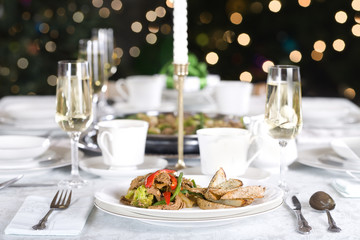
(283, 115)
(73, 110)
(89, 50)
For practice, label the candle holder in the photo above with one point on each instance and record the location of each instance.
(181, 71)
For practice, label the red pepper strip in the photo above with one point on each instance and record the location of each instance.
(149, 181)
(167, 196)
(173, 182)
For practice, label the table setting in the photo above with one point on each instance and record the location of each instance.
(151, 165)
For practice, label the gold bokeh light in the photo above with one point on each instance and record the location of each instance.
(295, 56)
(304, 3)
(244, 39)
(355, 4)
(266, 65)
(212, 58)
(136, 27)
(341, 17)
(316, 56)
(274, 6)
(246, 77)
(236, 18)
(356, 30)
(339, 45)
(349, 93)
(319, 46)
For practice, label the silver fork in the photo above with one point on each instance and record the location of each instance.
(60, 203)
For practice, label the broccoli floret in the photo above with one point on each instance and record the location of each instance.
(140, 197)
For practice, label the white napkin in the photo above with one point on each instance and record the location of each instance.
(347, 188)
(61, 222)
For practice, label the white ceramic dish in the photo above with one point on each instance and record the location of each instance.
(29, 110)
(348, 148)
(183, 223)
(322, 158)
(28, 162)
(22, 147)
(111, 195)
(61, 158)
(95, 165)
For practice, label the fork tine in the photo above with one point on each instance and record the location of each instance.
(63, 199)
(69, 199)
(57, 204)
(54, 199)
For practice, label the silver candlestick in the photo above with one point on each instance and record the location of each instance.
(181, 71)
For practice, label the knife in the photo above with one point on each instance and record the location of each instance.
(302, 225)
(9, 182)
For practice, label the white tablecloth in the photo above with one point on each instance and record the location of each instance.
(278, 224)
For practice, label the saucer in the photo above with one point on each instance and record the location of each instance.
(95, 165)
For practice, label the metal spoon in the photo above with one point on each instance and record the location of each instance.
(324, 202)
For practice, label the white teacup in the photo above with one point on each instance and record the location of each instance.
(142, 91)
(233, 97)
(122, 142)
(227, 148)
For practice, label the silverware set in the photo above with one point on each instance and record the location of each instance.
(321, 203)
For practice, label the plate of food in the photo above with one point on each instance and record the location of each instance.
(168, 195)
(162, 133)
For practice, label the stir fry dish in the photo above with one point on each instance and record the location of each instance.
(166, 123)
(164, 190)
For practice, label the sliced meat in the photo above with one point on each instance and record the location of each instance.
(137, 182)
(178, 204)
(162, 180)
(154, 191)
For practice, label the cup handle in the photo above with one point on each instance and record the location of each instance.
(119, 85)
(103, 146)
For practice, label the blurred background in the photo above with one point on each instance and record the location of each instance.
(237, 39)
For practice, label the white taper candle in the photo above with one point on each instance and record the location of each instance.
(180, 32)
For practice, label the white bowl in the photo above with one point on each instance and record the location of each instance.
(22, 147)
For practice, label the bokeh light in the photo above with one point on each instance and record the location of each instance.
(295, 56)
(97, 3)
(304, 3)
(104, 12)
(349, 93)
(266, 65)
(160, 12)
(51, 80)
(339, 45)
(246, 77)
(274, 6)
(136, 27)
(22, 63)
(116, 5)
(355, 4)
(341, 17)
(356, 30)
(320, 46)
(205, 17)
(134, 51)
(78, 17)
(50, 46)
(212, 58)
(316, 56)
(243, 39)
(151, 38)
(236, 18)
(151, 16)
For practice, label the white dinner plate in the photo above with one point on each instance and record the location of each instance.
(60, 159)
(322, 158)
(348, 148)
(110, 196)
(30, 111)
(95, 165)
(19, 147)
(182, 223)
(28, 162)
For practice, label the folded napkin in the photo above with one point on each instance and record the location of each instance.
(61, 222)
(347, 188)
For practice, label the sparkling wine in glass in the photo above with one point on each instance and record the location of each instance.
(73, 110)
(283, 115)
(90, 51)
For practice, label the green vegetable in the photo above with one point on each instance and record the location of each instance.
(176, 192)
(140, 197)
(193, 182)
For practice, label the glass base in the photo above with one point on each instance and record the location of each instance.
(73, 183)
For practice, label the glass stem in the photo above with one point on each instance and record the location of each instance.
(283, 165)
(74, 136)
